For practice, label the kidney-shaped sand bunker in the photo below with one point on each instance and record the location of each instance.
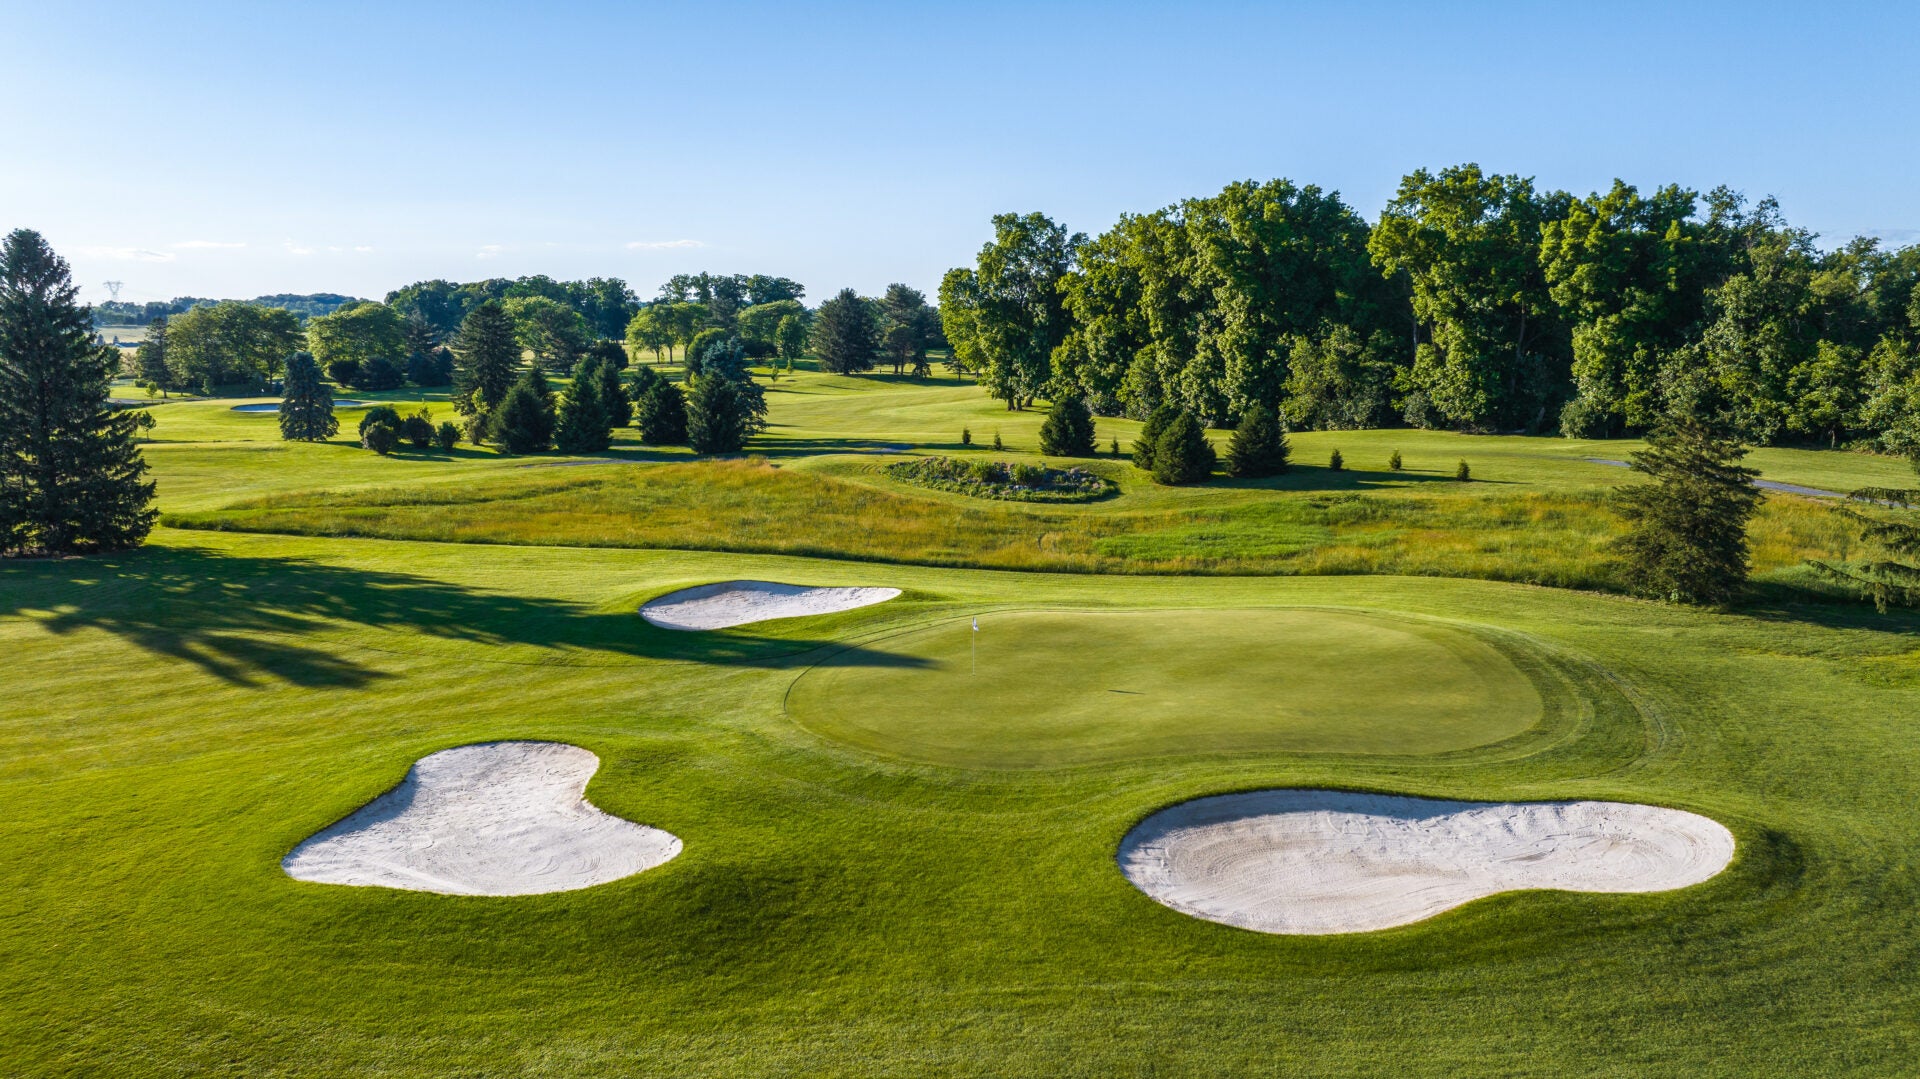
(738, 603)
(497, 818)
(1319, 861)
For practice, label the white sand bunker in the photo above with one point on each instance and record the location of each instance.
(737, 603)
(499, 818)
(1316, 861)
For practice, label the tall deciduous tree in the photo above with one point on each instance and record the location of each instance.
(1687, 530)
(306, 408)
(71, 477)
(555, 333)
(791, 337)
(371, 336)
(488, 355)
(230, 343)
(1008, 313)
(651, 330)
(846, 334)
(1493, 353)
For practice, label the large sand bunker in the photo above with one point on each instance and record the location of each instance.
(737, 603)
(498, 818)
(1317, 861)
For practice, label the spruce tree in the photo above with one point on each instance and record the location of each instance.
(1068, 430)
(846, 334)
(488, 353)
(613, 394)
(1143, 446)
(150, 357)
(71, 477)
(1258, 447)
(1686, 539)
(306, 409)
(717, 416)
(583, 425)
(1182, 453)
(523, 421)
(1888, 576)
(663, 415)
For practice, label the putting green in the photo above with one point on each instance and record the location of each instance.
(1038, 689)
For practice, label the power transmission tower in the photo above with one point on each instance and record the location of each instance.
(113, 290)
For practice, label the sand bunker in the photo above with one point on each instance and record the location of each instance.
(498, 818)
(737, 603)
(1315, 861)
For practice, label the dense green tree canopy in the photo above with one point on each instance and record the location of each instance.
(1008, 313)
(229, 344)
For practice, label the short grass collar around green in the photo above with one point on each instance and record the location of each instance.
(999, 479)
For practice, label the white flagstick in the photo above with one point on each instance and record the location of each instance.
(975, 638)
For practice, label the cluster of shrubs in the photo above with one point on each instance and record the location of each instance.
(383, 429)
(1015, 482)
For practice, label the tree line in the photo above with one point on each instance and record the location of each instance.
(1475, 302)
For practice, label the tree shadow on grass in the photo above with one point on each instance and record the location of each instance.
(243, 619)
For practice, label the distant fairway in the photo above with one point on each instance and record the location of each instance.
(1072, 687)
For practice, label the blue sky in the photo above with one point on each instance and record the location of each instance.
(238, 149)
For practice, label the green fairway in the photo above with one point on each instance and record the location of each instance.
(1047, 688)
(894, 863)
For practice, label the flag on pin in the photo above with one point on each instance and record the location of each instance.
(976, 625)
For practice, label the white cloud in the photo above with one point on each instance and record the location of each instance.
(123, 254)
(198, 245)
(488, 251)
(296, 249)
(662, 245)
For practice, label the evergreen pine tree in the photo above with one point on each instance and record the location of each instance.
(1143, 446)
(1182, 453)
(488, 353)
(583, 425)
(1258, 447)
(846, 334)
(523, 421)
(717, 416)
(1687, 531)
(71, 478)
(1068, 430)
(613, 394)
(306, 409)
(663, 415)
(150, 357)
(1888, 575)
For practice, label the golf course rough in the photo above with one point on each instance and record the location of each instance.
(496, 818)
(1321, 861)
(739, 603)
(1053, 688)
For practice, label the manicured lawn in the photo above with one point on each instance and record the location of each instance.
(843, 912)
(899, 865)
(1050, 688)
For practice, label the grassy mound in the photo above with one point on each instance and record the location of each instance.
(1011, 482)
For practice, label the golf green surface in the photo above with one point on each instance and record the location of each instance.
(1050, 688)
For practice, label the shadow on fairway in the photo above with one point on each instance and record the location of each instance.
(241, 619)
